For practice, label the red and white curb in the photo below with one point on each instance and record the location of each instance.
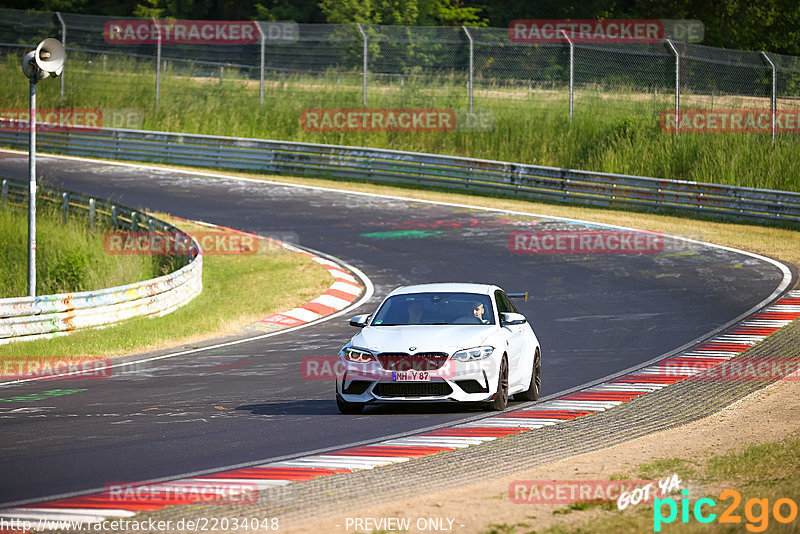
(597, 398)
(344, 290)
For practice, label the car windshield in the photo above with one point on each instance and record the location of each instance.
(435, 308)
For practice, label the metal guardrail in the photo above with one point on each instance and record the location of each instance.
(27, 318)
(308, 159)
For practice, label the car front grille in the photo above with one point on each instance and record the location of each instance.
(412, 389)
(422, 361)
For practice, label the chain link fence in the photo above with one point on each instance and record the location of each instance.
(119, 60)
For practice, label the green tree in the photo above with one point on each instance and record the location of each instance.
(178, 9)
(304, 11)
(403, 12)
(772, 25)
(94, 7)
(452, 13)
(397, 12)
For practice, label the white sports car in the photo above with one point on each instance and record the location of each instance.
(440, 342)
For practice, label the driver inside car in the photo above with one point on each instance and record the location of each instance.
(415, 310)
(478, 311)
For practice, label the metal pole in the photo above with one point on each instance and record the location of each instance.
(32, 192)
(677, 85)
(64, 44)
(471, 64)
(774, 99)
(158, 61)
(364, 90)
(92, 211)
(64, 207)
(571, 71)
(261, 73)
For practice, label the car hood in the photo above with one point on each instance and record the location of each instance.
(425, 338)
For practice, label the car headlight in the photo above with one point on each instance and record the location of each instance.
(354, 355)
(478, 353)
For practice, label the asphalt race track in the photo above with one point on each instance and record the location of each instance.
(594, 314)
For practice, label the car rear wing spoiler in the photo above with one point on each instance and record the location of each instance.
(518, 296)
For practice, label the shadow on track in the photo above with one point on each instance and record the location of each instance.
(328, 407)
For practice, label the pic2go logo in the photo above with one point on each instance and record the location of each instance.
(756, 511)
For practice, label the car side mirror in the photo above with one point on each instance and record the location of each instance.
(360, 321)
(510, 319)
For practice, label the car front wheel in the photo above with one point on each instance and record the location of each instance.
(348, 407)
(501, 400)
(532, 393)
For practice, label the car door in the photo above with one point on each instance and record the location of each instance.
(515, 336)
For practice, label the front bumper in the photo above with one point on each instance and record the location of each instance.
(455, 381)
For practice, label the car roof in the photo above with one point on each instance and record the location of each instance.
(454, 287)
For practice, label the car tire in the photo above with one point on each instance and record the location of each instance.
(532, 393)
(500, 401)
(348, 407)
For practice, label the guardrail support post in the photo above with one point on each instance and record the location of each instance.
(471, 65)
(114, 217)
(64, 207)
(774, 99)
(64, 44)
(134, 222)
(364, 90)
(92, 212)
(571, 72)
(158, 60)
(677, 85)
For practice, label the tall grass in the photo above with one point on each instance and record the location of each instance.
(69, 257)
(613, 130)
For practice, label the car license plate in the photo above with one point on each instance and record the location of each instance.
(411, 376)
